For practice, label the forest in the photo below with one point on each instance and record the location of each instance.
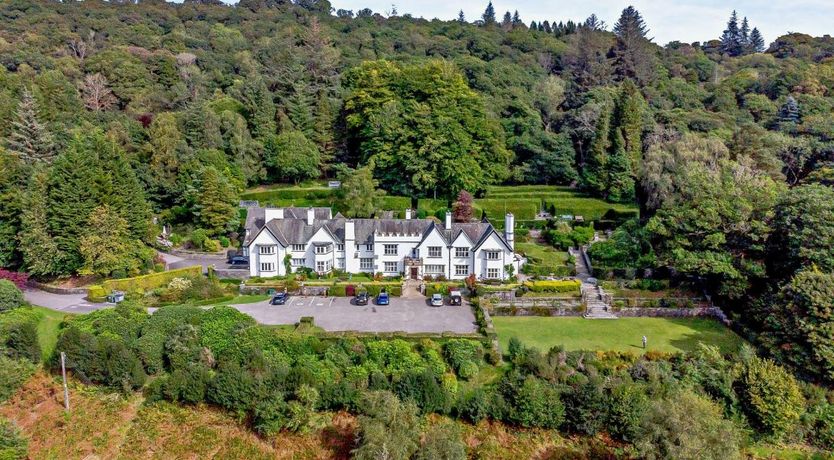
(119, 117)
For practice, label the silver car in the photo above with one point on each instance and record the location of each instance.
(436, 300)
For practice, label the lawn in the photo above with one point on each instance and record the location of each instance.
(48, 329)
(624, 334)
(543, 254)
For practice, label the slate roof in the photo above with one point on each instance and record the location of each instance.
(293, 228)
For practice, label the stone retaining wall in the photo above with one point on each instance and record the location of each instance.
(194, 255)
(228, 273)
(54, 289)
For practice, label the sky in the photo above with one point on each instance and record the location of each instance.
(683, 20)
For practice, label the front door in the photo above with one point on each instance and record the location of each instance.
(414, 273)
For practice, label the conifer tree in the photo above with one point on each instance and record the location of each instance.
(215, 207)
(121, 189)
(489, 15)
(789, 114)
(507, 22)
(259, 106)
(757, 43)
(461, 17)
(547, 27)
(744, 34)
(628, 120)
(30, 139)
(13, 176)
(731, 38)
(620, 185)
(517, 19)
(594, 174)
(106, 246)
(300, 110)
(632, 52)
(37, 245)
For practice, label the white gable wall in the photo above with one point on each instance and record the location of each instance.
(435, 239)
(482, 264)
(256, 259)
(462, 241)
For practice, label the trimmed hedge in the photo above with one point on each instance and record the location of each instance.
(441, 288)
(553, 286)
(151, 281)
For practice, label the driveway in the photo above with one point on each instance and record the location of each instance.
(335, 314)
(173, 262)
(69, 303)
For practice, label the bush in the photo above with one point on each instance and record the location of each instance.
(198, 238)
(13, 374)
(18, 334)
(18, 278)
(536, 404)
(96, 293)
(151, 281)
(474, 405)
(627, 405)
(10, 296)
(562, 286)
(464, 355)
(224, 241)
(771, 397)
(13, 445)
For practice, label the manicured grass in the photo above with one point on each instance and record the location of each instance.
(624, 334)
(48, 329)
(543, 254)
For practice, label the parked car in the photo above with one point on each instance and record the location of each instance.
(436, 300)
(239, 260)
(383, 299)
(279, 299)
(455, 298)
(361, 299)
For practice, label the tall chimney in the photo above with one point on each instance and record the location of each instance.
(448, 220)
(509, 230)
(351, 261)
(311, 216)
(408, 213)
(271, 213)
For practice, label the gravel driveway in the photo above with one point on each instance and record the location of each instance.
(337, 314)
(69, 303)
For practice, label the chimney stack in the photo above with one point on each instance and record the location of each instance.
(448, 220)
(311, 216)
(509, 230)
(271, 213)
(408, 213)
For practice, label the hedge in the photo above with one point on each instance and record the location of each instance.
(441, 288)
(553, 286)
(151, 281)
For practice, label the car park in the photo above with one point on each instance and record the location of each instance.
(455, 298)
(279, 299)
(436, 300)
(383, 298)
(239, 260)
(361, 299)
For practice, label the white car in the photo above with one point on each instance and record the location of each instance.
(436, 300)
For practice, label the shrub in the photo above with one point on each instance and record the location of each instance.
(10, 296)
(687, 426)
(18, 278)
(388, 428)
(210, 245)
(585, 408)
(442, 441)
(13, 446)
(627, 405)
(96, 293)
(771, 397)
(536, 404)
(13, 374)
(151, 281)
(224, 241)
(474, 405)
(464, 355)
(18, 334)
(198, 238)
(563, 286)
(219, 327)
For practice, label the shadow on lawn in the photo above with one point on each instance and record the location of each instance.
(708, 331)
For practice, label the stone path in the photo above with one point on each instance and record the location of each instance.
(592, 295)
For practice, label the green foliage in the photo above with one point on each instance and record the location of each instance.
(388, 428)
(772, 399)
(442, 441)
(558, 286)
(215, 205)
(13, 374)
(464, 356)
(13, 445)
(18, 334)
(151, 281)
(292, 157)
(10, 296)
(687, 426)
(533, 402)
(803, 230)
(359, 194)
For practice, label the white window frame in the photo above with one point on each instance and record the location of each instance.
(322, 249)
(493, 273)
(389, 265)
(437, 249)
(298, 248)
(340, 263)
(267, 267)
(266, 250)
(492, 255)
(340, 247)
(435, 269)
(461, 270)
(369, 247)
(390, 249)
(461, 253)
(298, 262)
(322, 266)
(366, 263)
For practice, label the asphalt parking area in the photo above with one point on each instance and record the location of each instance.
(338, 314)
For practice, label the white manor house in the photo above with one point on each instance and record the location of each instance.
(414, 248)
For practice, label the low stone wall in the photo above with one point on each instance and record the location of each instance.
(194, 255)
(701, 312)
(229, 273)
(535, 311)
(54, 289)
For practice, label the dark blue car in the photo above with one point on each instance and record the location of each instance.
(382, 299)
(279, 299)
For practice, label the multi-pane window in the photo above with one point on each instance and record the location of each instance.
(340, 263)
(267, 267)
(266, 249)
(461, 252)
(323, 266)
(435, 251)
(492, 255)
(322, 249)
(366, 263)
(298, 248)
(390, 249)
(369, 247)
(340, 247)
(434, 269)
(390, 267)
(461, 270)
(493, 273)
(297, 262)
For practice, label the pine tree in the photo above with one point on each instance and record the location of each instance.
(517, 19)
(323, 135)
(121, 189)
(300, 110)
(461, 17)
(731, 38)
(507, 22)
(533, 25)
(215, 207)
(789, 114)
(757, 43)
(628, 120)
(259, 107)
(620, 186)
(547, 27)
(30, 139)
(594, 23)
(37, 245)
(594, 174)
(489, 15)
(13, 177)
(744, 35)
(106, 246)
(632, 52)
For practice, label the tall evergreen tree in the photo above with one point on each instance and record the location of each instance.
(216, 207)
(744, 34)
(106, 245)
(517, 19)
(30, 139)
(489, 15)
(259, 107)
(731, 42)
(633, 55)
(13, 176)
(300, 111)
(620, 186)
(595, 172)
(628, 120)
(757, 43)
(37, 245)
(507, 22)
(121, 189)
(461, 17)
